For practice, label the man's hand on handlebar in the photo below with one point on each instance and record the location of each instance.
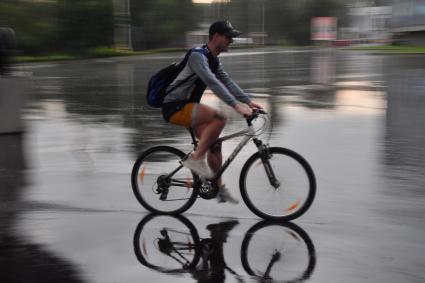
(255, 105)
(243, 109)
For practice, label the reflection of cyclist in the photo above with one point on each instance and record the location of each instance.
(213, 264)
(181, 105)
(270, 251)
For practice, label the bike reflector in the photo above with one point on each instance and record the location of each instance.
(188, 183)
(293, 206)
(142, 175)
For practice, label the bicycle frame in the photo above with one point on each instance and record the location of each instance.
(247, 134)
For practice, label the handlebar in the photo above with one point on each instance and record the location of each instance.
(255, 114)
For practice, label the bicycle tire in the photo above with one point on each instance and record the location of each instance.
(296, 207)
(160, 155)
(294, 232)
(138, 250)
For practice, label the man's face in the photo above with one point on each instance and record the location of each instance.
(223, 42)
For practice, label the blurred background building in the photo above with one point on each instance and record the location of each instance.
(408, 21)
(367, 24)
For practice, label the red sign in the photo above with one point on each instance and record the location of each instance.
(323, 28)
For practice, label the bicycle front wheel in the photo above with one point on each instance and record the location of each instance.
(286, 197)
(278, 252)
(160, 183)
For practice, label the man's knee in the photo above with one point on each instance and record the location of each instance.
(220, 118)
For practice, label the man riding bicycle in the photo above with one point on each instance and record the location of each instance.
(182, 104)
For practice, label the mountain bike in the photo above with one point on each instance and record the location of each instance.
(275, 183)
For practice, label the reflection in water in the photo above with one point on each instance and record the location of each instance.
(270, 251)
(21, 260)
(405, 123)
(323, 68)
(278, 251)
(113, 91)
(11, 180)
(107, 96)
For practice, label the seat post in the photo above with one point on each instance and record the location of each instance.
(194, 141)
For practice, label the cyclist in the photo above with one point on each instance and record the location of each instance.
(182, 104)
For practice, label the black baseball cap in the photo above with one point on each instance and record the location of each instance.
(225, 28)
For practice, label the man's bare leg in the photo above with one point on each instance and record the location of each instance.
(215, 160)
(209, 124)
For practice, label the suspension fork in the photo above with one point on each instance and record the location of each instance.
(265, 156)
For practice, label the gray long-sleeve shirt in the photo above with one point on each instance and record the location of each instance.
(220, 82)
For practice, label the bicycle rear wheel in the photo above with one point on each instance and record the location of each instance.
(157, 188)
(168, 244)
(286, 199)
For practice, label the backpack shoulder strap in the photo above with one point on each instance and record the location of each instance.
(202, 50)
(183, 63)
(213, 62)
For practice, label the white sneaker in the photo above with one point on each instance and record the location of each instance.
(199, 166)
(225, 196)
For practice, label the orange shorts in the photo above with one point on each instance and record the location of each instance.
(186, 116)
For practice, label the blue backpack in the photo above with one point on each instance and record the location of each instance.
(160, 81)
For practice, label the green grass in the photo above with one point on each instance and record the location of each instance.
(99, 52)
(113, 52)
(392, 49)
(102, 52)
(56, 57)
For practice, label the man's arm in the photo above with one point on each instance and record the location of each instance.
(232, 86)
(199, 65)
(235, 89)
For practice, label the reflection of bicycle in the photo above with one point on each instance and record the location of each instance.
(173, 247)
(282, 252)
(270, 252)
(275, 183)
(171, 244)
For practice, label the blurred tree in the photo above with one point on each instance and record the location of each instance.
(83, 24)
(280, 20)
(34, 35)
(63, 25)
(75, 25)
(238, 12)
(161, 23)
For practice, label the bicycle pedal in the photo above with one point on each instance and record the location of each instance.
(164, 194)
(208, 192)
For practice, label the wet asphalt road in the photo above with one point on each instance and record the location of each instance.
(68, 214)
